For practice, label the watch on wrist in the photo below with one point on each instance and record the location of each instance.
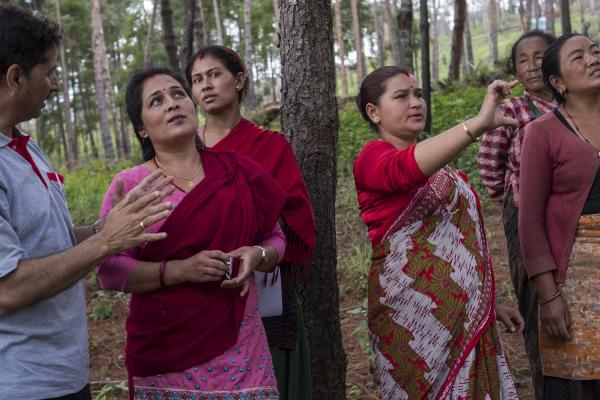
(96, 226)
(263, 254)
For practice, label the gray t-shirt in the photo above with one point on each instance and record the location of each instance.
(43, 348)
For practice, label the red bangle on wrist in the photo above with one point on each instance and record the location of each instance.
(161, 274)
(549, 299)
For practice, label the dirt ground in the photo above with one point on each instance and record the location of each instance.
(107, 338)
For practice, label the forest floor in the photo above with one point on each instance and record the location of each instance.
(107, 334)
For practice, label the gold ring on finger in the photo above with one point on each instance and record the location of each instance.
(142, 225)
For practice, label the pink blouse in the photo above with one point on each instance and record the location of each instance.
(114, 271)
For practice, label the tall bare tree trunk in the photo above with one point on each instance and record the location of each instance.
(199, 24)
(340, 42)
(435, 43)
(187, 41)
(425, 65)
(276, 12)
(379, 34)
(469, 57)
(166, 13)
(389, 17)
(493, 13)
(405, 20)
(72, 150)
(310, 122)
(150, 36)
(360, 56)
(218, 22)
(549, 13)
(565, 16)
(249, 42)
(99, 49)
(114, 112)
(523, 17)
(460, 15)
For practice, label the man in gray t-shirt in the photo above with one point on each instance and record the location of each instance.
(43, 334)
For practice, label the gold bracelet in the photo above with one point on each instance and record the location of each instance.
(468, 132)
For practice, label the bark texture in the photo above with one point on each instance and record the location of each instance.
(565, 16)
(425, 64)
(460, 14)
(389, 18)
(310, 122)
(166, 13)
(493, 15)
(405, 19)
(218, 25)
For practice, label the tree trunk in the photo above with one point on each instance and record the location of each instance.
(565, 16)
(72, 153)
(425, 65)
(99, 49)
(549, 13)
(493, 13)
(460, 15)
(187, 42)
(310, 122)
(340, 42)
(435, 44)
(360, 56)
(528, 13)
(166, 13)
(114, 112)
(61, 130)
(469, 56)
(375, 9)
(522, 17)
(393, 32)
(405, 20)
(199, 24)
(218, 22)
(276, 12)
(86, 116)
(150, 37)
(249, 57)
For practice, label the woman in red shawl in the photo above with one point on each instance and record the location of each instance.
(431, 290)
(193, 329)
(219, 80)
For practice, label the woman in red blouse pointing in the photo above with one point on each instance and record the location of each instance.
(431, 285)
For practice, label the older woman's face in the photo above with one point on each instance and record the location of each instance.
(168, 113)
(401, 111)
(528, 62)
(579, 66)
(214, 86)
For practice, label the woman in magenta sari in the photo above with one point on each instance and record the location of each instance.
(432, 308)
(218, 79)
(193, 331)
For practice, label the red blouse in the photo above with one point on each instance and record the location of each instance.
(386, 179)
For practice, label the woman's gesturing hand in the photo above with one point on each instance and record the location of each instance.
(555, 318)
(489, 117)
(510, 317)
(125, 227)
(250, 258)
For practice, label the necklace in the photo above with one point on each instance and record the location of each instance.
(575, 125)
(189, 182)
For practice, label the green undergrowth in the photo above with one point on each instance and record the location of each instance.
(85, 188)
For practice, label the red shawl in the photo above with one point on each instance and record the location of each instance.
(272, 151)
(175, 328)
